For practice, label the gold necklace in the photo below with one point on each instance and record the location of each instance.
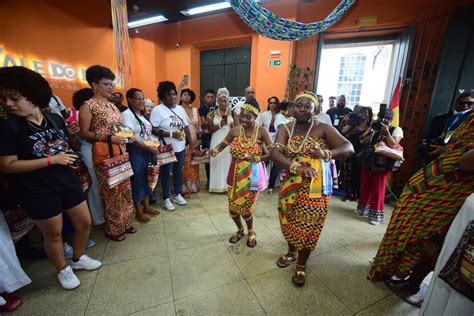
(292, 145)
(245, 141)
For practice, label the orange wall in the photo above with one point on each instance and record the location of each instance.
(74, 33)
(78, 34)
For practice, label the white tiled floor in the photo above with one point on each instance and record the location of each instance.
(181, 263)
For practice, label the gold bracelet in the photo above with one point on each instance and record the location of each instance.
(328, 155)
(294, 166)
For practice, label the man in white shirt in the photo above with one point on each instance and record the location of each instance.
(249, 94)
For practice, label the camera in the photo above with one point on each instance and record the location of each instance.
(377, 125)
(425, 148)
(177, 45)
(78, 160)
(355, 120)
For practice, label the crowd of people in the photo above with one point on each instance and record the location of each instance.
(308, 153)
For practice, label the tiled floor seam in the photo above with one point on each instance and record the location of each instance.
(169, 264)
(374, 303)
(150, 307)
(333, 293)
(235, 262)
(95, 280)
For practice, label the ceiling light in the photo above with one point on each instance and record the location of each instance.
(206, 8)
(142, 22)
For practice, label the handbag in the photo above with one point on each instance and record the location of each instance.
(165, 154)
(100, 152)
(117, 168)
(393, 153)
(84, 177)
(199, 156)
(19, 223)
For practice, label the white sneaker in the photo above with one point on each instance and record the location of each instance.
(374, 223)
(178, 199)
(168, 205)
(68, 279)
(86, 263)
(67, 251)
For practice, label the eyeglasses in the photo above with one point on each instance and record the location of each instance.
(272, 102)
(107, 83)
(468, 103)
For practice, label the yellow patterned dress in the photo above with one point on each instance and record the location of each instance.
(302, 206)
(243, 176)
(117, 201)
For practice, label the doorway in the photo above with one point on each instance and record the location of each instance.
(359, 69)
(227, 67)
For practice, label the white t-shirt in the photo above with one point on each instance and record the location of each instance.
(131, 122)
(265, 118)
(164, 118)
(56, 105)
(323, 118)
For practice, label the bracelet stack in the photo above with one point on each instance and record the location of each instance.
(294, 166)
(328, 155)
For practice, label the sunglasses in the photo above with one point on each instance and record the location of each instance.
(469, 103)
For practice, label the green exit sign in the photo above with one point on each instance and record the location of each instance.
(274, 62)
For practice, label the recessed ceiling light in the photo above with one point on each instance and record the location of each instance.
(146, 21)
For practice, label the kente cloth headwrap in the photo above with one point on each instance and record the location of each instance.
(308, 94)
(222, 92)
(250, 108)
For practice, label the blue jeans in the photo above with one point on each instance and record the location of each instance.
(165, 175)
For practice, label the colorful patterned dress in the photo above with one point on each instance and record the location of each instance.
(243, 178)
(427, 206)
(118, 207)
(190, 171)
(302, 205)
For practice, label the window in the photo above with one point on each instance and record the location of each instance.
(351, 76)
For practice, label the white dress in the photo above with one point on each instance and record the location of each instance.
(219, 165)
(12, 276)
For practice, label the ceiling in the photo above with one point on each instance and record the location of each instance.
(138, 9)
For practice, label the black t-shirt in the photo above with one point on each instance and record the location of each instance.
(30, 141)
(336, 114)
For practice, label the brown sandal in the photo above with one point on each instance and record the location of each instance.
(120, 237)
(131, 230)
(152, 212)
(285, 260)
(252, 240)
(142, 218)
(237, 236)
(299, 275)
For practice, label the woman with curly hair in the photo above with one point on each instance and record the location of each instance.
(36, 147)
(170, 123)
(98, 121)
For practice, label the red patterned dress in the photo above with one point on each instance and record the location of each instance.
(117, 202)
(243, 178)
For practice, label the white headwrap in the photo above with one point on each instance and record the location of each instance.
(222, 92)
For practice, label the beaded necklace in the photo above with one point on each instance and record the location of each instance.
(297, 148)
(244, 140)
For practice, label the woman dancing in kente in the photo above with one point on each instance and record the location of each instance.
(304, 149)
(247, 175)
